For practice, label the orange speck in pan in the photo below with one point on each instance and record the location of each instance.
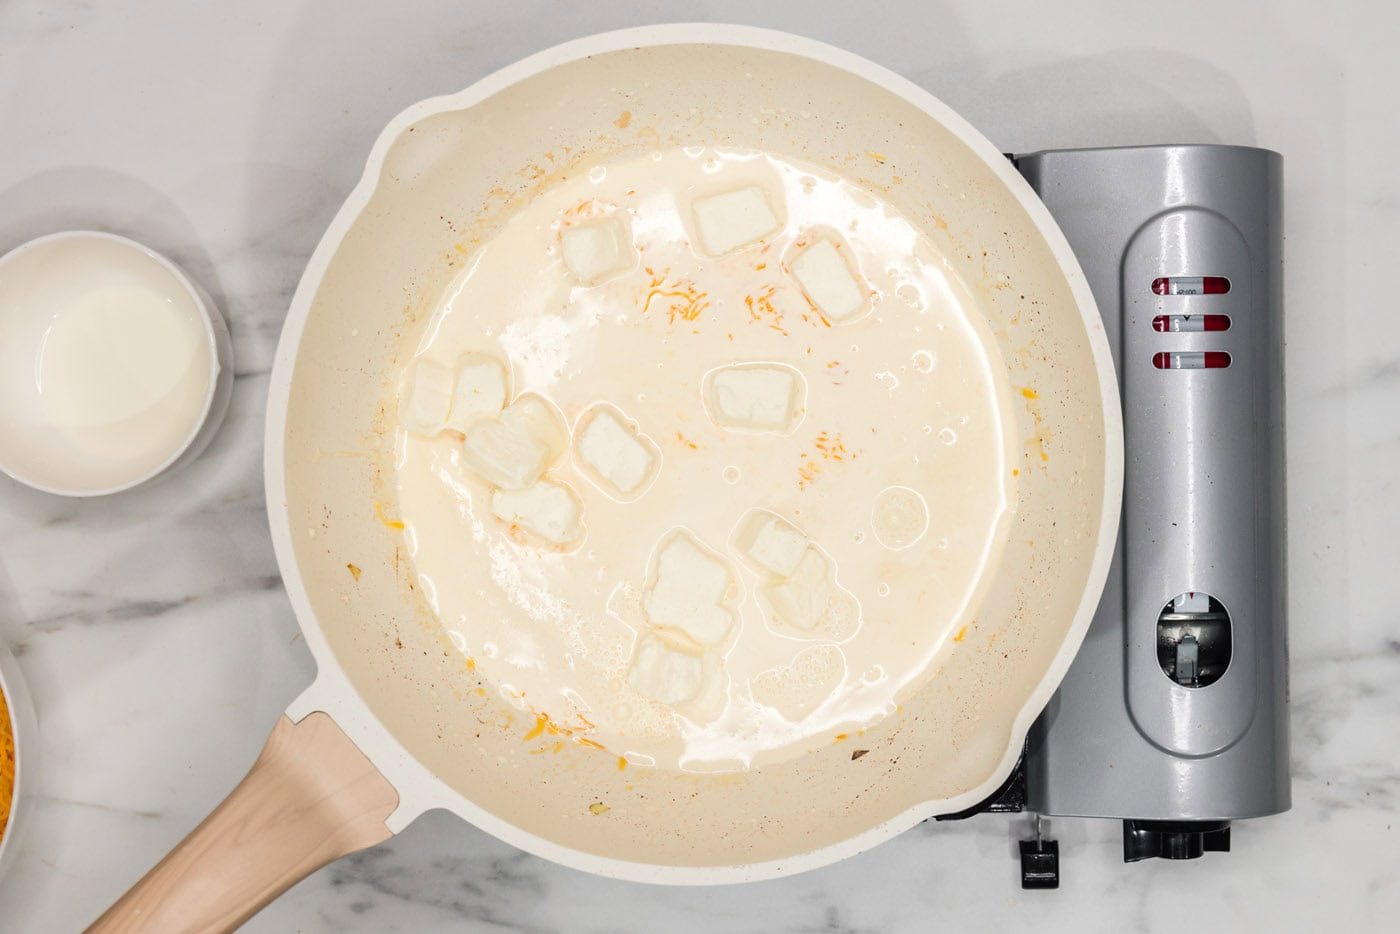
(961, 633)
(391, 523)
(354, 570)
(1030, 393)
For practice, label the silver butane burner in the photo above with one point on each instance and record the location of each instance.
(1174, 715)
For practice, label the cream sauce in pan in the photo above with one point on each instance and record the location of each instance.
(898, 470)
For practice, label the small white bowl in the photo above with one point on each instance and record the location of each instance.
(58, 459)
(24, 728)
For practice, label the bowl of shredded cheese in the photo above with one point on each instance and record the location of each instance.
(7, 765)
(17, 726)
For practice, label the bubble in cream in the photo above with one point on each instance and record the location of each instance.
(900, 517)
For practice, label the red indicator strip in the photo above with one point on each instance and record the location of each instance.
(1190, 285)
(1191, 360)
(1168, 323)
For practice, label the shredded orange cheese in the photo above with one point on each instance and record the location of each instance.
(540, 723)
(762, 311)
(681, 298)
(7, 765)
(391, 523)
(832, 448)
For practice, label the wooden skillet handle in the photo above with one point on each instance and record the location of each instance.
(311, 797)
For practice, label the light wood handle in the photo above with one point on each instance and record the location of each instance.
(311, 797)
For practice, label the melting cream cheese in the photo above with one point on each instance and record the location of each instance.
(892, 462)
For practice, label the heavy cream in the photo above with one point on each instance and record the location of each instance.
(787, 472)
(106, 368)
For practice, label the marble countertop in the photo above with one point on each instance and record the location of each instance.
(159, 645)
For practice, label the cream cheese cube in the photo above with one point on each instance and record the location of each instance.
(480, 393)
(828, 282)
(547, 509)
(704, 623)
(664, 674)
(756, 397)
(801, 600)
(531, 415)
(690, 586)
(503, 456)
(691, 572)
(426, 400)
(728, 221)
(593, 252)
(774, 545)
(619, 459)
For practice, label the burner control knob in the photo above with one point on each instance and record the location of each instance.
(1174, 839)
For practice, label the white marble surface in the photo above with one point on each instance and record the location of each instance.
(160, 647)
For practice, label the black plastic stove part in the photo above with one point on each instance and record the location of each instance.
(1173, 839)
(1040, 857)
(1040, 864)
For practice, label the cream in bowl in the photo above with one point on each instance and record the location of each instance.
(113, 364)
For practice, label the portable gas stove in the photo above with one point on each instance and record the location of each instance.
(1174, 715)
